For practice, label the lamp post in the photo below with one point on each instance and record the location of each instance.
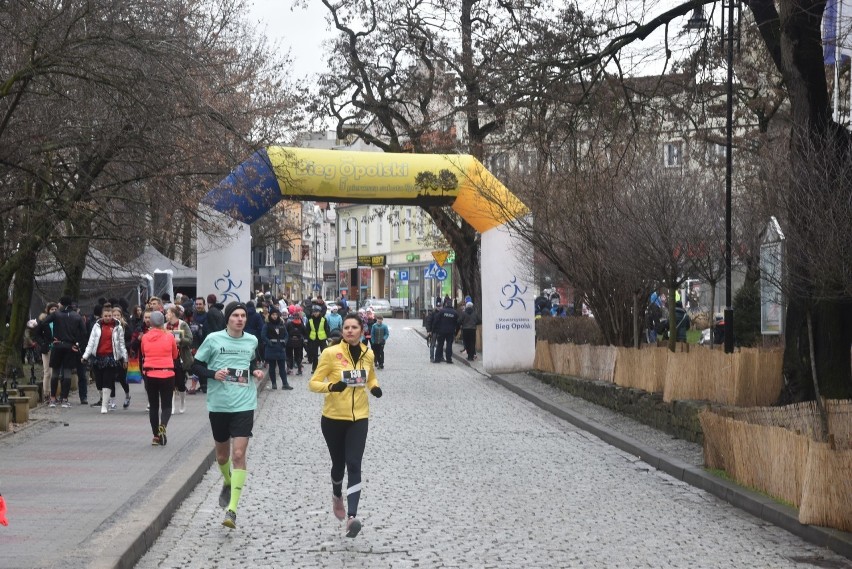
(315, 251)
(357, 251)
(698, 22)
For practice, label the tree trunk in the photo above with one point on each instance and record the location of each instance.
(823, 416)
(10, 351)
(636, 319)
(672, 323)
(712, 313)
(75, 263)
(186, 241)
(792, 35)
(467, 267)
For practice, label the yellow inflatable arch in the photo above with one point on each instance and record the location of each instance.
(460, 181)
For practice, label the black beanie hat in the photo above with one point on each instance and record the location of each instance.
(233, 306)
(274, 310)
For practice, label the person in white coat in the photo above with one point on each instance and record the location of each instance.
(108, 355)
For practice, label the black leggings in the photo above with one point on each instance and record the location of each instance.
(346, 441)
(294, 358)
(159, 396)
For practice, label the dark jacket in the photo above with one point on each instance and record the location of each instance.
(197, 326)
(274, 337)
(446, 321)
(215, 319)
(682, 322)
(43, 336)
(469, 319)
(254, 321)
(296, 334)
(653, 315)
(68, 327)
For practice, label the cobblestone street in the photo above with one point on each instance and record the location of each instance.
(459, 472)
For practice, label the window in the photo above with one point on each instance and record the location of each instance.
(380, 230)
(395, 224)
(673, 154)
(716, 153)
(408, 222)
(270, 257)
(363, 230)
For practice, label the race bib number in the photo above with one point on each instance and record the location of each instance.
(355, 377)
(240, 376)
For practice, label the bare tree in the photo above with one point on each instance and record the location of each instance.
(105, 110)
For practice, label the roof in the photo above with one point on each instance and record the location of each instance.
(152, 260)
(98, 267)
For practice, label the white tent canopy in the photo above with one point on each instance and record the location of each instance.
(152, 260)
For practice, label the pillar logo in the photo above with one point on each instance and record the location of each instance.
(512, 292)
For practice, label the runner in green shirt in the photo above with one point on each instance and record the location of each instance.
(228, 358)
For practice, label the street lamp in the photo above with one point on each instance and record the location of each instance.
(698, 21)
(357, 252)
(316, 285)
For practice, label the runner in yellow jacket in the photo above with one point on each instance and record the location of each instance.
(344, 373)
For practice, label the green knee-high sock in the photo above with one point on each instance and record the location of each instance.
(226, 471)
(238, 478)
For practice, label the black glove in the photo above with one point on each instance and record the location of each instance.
(338, 387)
(377, 392)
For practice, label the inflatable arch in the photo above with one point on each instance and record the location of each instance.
(460, 181)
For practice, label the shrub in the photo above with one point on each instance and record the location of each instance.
(573, 329)
(747, 314)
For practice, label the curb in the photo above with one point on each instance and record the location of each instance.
(756, 504)
(132, 539)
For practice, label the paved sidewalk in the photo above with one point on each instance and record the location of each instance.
(88, 490)
(84, 489)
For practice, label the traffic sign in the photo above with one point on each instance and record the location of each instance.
(441, 274)
(440, 257)
(403, 276)
(317, 287)
(429, 272)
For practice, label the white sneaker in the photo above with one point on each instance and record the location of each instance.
(112, 404)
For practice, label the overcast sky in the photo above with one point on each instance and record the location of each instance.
(300, 30)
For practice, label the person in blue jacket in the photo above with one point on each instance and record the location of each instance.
(379, 334)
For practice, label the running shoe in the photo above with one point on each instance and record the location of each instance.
(353, 526)
(112, 404)
(161, 433)
(230, 520)
(97, 403)
(337, 507)
(65, 404)
(225, 496)
(126, 401)
(52, 403)
(155, 442)
(288, 387)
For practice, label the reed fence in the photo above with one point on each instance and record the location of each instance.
(747, 377)
(779, 450)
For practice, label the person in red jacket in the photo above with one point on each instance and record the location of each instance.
(157, 355)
